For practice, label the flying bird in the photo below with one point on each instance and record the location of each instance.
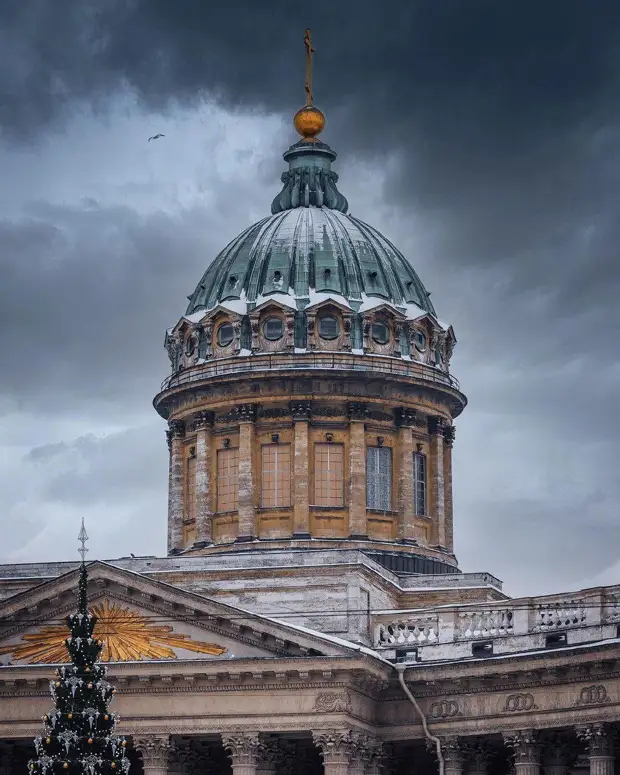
(156, 137)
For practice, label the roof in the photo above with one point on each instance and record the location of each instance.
(310, 245)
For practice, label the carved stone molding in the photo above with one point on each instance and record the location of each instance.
(203, 420)
(447, 708)
(176, 429)
(406, 418)
(592, 695)
(598, 738)
(436, 425)
(357, 410)
(301, 410)
(519, 703)
(334, 745)
(333, 702)
(523, 745)
(449, 432)
(242, 748)
(246, 412)
(155, 750)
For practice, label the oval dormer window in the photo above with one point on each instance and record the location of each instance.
(380, 333)
(225, 334)
(190, 345)
(273, 329)
(420, 340)
(329, 327)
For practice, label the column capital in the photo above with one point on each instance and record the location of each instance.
(301, 410)
(176, 429)
(598, 737)
(478, 755)
(246, 412)
(243, 748)
(449, 432)
(406, 417)
(203, 420)
(436, 425)
(357, 411)
(453, 750)
(524, 746)
(154, 749)
(334, 745)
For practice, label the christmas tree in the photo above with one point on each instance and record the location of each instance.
(79, 732)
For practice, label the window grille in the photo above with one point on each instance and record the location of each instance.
(276, 475)
(227, 479)
(379, 478)
(329, 474)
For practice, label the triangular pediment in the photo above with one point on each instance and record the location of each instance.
(141, 619)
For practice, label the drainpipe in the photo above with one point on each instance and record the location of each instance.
(400, 669)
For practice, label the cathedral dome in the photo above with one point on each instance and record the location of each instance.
(310, 244)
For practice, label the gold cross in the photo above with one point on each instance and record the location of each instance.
(309, 52)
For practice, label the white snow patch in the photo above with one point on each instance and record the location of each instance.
(316, 297)
(286, 299)
(244, 351)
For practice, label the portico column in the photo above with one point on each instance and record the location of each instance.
(335, 748)
(436, 427)
(600, 745)
(357, 471)
(176, 434)
(155, 750)
(453, 756)
(301, 488)
(406, 495)
(246, 414)
(377, 757)
(448, 438)
(243, 750)
(477, 759)
(525, 751)
(204, 505)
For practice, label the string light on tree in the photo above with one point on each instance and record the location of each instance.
(79, 734)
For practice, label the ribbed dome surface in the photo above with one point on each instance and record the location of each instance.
(306, 248)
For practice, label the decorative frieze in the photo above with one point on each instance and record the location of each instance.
(333, 702)
(519, 703)
(447, 708)
(593, 695)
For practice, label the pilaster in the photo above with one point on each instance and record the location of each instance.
(301, 412)
(448, 437)
(525, 750)
(406, 499)
(176, 434)
(155, 750)
(204, 499)
(243, 750)
(599, 741)
(246, 414)
(357, 470)
(436, 428)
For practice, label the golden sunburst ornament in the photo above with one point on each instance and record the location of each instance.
(127, 637)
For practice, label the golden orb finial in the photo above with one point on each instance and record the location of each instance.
(309, 121)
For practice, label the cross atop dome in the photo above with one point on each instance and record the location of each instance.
(309, 121)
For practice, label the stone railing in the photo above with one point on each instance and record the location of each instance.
(513, 625)
(273, 362)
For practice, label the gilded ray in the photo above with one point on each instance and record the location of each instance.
(127, 637)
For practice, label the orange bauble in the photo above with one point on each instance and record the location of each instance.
(309, 122)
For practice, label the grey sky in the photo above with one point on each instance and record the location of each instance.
(481, 137)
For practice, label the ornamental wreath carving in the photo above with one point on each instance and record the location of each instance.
(445, 709)
(519, 703)
(592, 695)
(333, 702)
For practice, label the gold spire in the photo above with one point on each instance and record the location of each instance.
(309, 121)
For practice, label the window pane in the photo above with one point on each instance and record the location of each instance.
(419, 483)
(227, 479)
(276, 479)
(379, 478)
(273, 329)
(329, 328)
(329, 475)
(225, 334)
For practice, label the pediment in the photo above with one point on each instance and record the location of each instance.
(329, 302)
(382, 308)
(141, 619)
(273, 303)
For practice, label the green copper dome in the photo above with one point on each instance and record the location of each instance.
(310, 245)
